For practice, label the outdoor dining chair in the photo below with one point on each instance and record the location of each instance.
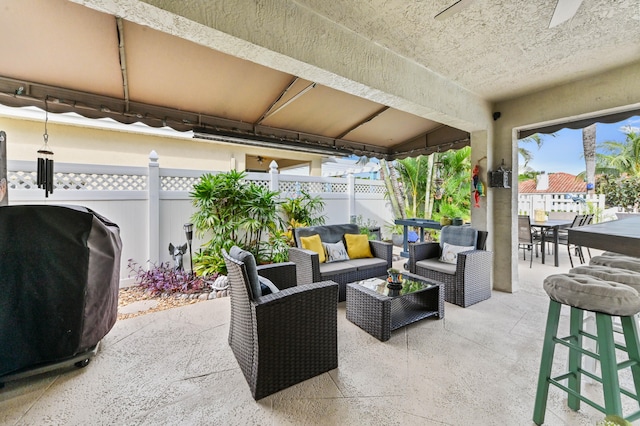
(527, 238)
(588, 219)
(563, 238)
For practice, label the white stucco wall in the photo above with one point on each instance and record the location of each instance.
(614, 90)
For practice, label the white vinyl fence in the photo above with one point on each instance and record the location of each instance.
(528, 203)
(151, 204)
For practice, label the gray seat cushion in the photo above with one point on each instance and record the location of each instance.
(593, 294)
(436, 265)
(612, 253)
(333, 268)
(622, 276)
(252, 271)
(619, 261)
(366, 263)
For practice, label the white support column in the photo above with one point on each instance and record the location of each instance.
(351, 190)
(153, 188)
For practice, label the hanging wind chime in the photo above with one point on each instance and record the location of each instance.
(45, 162)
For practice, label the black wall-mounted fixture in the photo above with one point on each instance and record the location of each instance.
(500, 178)
(496, 115)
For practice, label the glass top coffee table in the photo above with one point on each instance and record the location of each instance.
(378, 310)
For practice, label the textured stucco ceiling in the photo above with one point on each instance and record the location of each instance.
(497, 49)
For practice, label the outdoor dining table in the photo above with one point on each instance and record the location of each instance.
(620, 236)
(553, 225)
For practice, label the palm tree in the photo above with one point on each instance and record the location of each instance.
(428, 198)
(388, 174)
(620, 158)
(526, 154)
(456, 172)
(589, 146)
(414, 173)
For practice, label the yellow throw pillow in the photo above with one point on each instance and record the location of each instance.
(357, 246)
(314, 243)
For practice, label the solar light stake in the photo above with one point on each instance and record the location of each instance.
(188, 231)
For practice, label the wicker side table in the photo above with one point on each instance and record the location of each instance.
(378, 311)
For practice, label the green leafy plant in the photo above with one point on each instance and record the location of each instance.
(234, 212)
(414, 173)
(365, 227)
(456, 172)
(209, 262)
(623, 192)
(304, 209)
(418, 176)
(619, 159)
(277, 248)
(300, 211)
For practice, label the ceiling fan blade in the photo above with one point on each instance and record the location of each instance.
(565, 10)
(453, 9)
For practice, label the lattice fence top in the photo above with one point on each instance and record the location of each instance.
(116, 181)
(312, 187)
(361, 188)
(261, 183)
(81, 181)
(178, 183)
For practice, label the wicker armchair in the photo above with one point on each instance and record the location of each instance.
(466, 282)
(285, 337)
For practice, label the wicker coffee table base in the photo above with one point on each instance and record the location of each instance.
(378, 314)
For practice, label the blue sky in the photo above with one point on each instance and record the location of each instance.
(563, 153)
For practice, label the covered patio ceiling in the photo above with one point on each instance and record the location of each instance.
(67, 57)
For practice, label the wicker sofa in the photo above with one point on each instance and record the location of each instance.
(309, 268)
(466, 281)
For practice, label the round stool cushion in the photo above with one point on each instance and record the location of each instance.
(622, 276)
(612, 253)
(620, 261)
(593, 294)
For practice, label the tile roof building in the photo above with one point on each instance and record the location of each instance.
(553, 183)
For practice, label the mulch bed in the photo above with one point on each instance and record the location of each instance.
(129, 295)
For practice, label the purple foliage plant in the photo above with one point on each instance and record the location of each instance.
(162, 278)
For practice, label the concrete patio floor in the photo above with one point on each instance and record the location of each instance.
(478, 366)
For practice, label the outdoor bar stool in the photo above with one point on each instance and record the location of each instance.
(621, 276)
(606, 299)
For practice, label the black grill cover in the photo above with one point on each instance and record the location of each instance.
(59, 279)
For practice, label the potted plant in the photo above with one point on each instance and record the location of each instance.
(397, 232)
